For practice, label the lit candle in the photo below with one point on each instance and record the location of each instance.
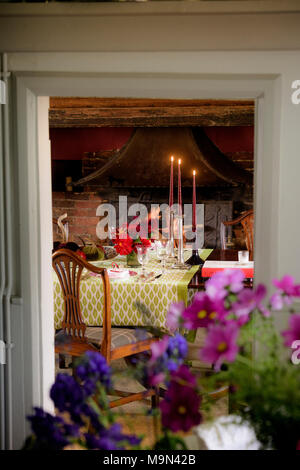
(194, 219)
(171, 184)
(179, 187)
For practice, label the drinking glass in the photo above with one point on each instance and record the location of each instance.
(163, 250)
(112, 233)
(142, 255)
(243, 256)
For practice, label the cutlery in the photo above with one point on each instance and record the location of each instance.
(156, 277)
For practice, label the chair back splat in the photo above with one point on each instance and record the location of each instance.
(246, 220)
(68, 267)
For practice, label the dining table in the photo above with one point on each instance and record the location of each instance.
(155, 292)
(198, 281)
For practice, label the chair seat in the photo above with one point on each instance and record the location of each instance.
(119, 336)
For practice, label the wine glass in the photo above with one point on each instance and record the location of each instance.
(112, 234)
(163, 250)
(142, 255)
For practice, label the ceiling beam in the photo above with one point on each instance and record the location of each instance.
(119, 112)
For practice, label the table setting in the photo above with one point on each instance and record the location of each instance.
(155, 267)
(154, 285)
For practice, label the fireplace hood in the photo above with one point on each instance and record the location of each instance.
(144, 161)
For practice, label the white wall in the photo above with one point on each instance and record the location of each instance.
(151, 26)
(47, 362)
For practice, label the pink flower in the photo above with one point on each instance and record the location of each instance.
(248, 300)
(288, 289)
(156, 379)
(276, 301)
(180, 407)
(219, 285)
(173, 316)
(158, 348)
(220, 344)
(184, 376)
(202, 311)
(293, 334)
(287, 286)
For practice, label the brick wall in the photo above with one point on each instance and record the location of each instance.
(81, 210)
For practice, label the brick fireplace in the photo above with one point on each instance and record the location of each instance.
(81, 142)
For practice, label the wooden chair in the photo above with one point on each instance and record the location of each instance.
(246, 220)
(76, 338)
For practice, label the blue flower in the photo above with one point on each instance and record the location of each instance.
(66, 393)
(167, 356)
(93, 368)
(177, 347)
(110, 439)
(51, 432)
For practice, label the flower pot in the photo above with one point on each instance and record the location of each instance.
(132, 260)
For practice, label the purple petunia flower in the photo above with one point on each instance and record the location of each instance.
(203, 311)
(293, 333)
(180, 407)
(223, 282)
(173, 316)
(220, 344)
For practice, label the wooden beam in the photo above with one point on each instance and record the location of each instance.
(146, 112)
(71, 102)
(153, 116)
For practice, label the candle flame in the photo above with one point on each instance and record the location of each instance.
(172, 159)
(179, 161)
(194, 172)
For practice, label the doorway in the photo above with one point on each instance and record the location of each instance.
(35, 196)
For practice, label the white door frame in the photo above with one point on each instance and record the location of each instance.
(229, 75)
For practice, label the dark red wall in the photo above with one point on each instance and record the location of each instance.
(232, 139)
(70, 144)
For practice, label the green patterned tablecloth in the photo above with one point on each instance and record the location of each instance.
(157, 295)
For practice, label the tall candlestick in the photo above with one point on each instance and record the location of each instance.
(194, 219)
(180, 264)
(179, 187)
(195, 258)
(171, 201)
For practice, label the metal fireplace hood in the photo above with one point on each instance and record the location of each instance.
(144, 161)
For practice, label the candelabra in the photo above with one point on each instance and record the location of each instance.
(171, 234)
(195, 258)
(180, 264)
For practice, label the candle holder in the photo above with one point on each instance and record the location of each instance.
(171, 257)
(180, 264)
(195, 258)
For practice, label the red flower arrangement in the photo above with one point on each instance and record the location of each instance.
(125, 245)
